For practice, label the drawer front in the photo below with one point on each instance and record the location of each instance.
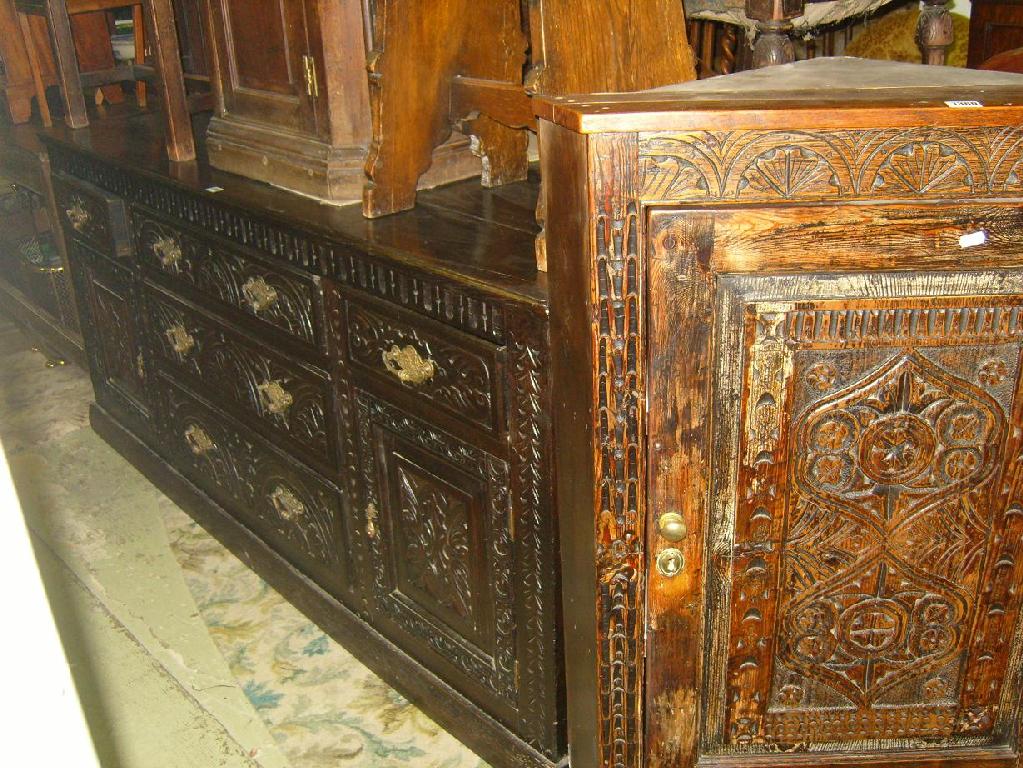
(92, 216)
(296, 512)
(225, 276)
(289, 400)
(117, 360)
(440, 368)
(436, 523)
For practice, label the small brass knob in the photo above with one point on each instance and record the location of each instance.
(672, 526)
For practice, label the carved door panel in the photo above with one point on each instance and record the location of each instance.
(843, 454)
(112, 340)
(264, 48)
(437, 524)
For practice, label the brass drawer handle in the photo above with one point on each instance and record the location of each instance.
(168, 251)
(197, 439)
(408, 365)
(78, 215)
(274, 397)
(180, 339)
(259, 294)
(286, 503)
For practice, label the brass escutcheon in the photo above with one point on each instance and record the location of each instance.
(408, 365)
(259, 294)
(287, 504)
(670, 563)
(180, 339)
(168, 251)
(672, 526)
(274, 397)
(77, 214)
(197, 439)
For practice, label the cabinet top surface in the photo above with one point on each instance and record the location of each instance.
(479, 238)
(834, 92)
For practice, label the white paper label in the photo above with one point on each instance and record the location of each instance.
(214, 189)
(966, 104)
(973, 238)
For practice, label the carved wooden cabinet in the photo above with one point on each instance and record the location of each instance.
(359, 411)
(293, 98)
(788, 327)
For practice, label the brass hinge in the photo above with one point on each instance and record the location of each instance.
(312, 87)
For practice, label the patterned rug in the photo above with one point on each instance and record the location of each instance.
(322, 707)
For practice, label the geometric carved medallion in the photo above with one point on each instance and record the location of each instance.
(886, 535)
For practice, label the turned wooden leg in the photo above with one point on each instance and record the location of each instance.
(67, 63)
(37, 78)
(138, 25)
(934, 31)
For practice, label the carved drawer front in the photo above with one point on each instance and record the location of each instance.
(864, 517)
(292, 509)
(117, 361)
(290, 400)
(92, 216)
(439, 368)
(227, 276)
(436, 520)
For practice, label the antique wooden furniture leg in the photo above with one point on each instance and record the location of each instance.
(67, 63)
(16, 79)
(934, 31)
(163, 34)
(37, 79)
(138, 25)
(419, 49)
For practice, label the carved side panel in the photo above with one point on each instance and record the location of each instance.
(873, 489)
(618, 397)
(117, 360)
(438, 525)
(831, 165)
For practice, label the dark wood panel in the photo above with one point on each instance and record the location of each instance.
(98, 219)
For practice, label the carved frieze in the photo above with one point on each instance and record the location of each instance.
(831, 164)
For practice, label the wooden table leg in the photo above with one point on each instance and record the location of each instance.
(163, 35)
(37, 77)
(67, 63)
(138, 25)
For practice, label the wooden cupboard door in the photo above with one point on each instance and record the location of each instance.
(436, 517)
(261, 45)
(113, 341)
(843, 452)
